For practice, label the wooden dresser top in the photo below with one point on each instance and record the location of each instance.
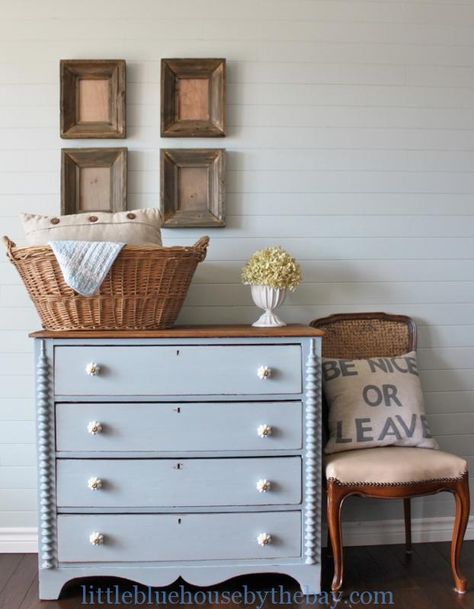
(244, 331)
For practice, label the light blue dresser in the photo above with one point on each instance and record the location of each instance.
(191, 452)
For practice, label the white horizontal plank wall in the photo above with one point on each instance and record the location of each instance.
(350, 142)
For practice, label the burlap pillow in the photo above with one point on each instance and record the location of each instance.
(133, 227)
(375, 402)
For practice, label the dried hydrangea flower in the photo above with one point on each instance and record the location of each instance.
(273, 267)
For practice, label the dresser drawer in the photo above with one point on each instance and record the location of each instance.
(183, 370)
(181, 483)
(180, 537)
(178, 427)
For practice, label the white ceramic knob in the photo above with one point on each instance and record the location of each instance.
(94, 427)
(264, 372)
(94, 484)
(263, 486)
(264, 539)
(93, 369)
(96, 539)
(264, 431)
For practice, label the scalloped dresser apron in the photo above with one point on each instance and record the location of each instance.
(193, 452)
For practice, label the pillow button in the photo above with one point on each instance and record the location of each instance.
(54, 220)
(131, 216)
(93, 218)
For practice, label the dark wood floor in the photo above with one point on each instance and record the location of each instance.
(422, 582)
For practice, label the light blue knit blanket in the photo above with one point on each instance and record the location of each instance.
(85, 264)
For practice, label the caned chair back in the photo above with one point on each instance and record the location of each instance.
(362, 335)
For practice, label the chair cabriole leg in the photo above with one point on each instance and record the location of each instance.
(336, 496)
(461, 496)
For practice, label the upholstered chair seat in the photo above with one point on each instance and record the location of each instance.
(391, 465)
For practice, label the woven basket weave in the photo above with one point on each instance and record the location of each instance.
(144, 290)
(366, 335)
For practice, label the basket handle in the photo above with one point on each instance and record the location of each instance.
(201, 246)
(9, 245)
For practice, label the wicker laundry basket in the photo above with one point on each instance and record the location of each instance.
(144, 290)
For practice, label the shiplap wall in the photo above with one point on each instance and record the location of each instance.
(351, 143)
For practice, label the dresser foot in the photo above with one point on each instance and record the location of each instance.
(51, 583)
(308, 578)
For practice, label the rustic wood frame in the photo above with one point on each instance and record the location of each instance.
(75, 160)
(75, 72)
(212, 122)
(210, 213)
(338, 492)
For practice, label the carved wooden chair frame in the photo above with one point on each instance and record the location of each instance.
(337, 492)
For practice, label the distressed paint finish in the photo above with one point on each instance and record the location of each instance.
(217, 426)
(169, 538)
(186, 370)
(288, 403)
(178, 482)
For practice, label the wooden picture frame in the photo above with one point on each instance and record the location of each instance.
(192, 187)
(193, 97)
(93, 98)
(93, 179)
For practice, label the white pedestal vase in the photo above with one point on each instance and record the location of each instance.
(268, 299)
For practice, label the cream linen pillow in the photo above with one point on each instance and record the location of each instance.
(133, 227)
(375, 402)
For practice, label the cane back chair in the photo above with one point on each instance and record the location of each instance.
(387, 472)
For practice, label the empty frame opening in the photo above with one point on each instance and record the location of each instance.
(95, 188)
(193, 188)
(94, 100)
(193, 99)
